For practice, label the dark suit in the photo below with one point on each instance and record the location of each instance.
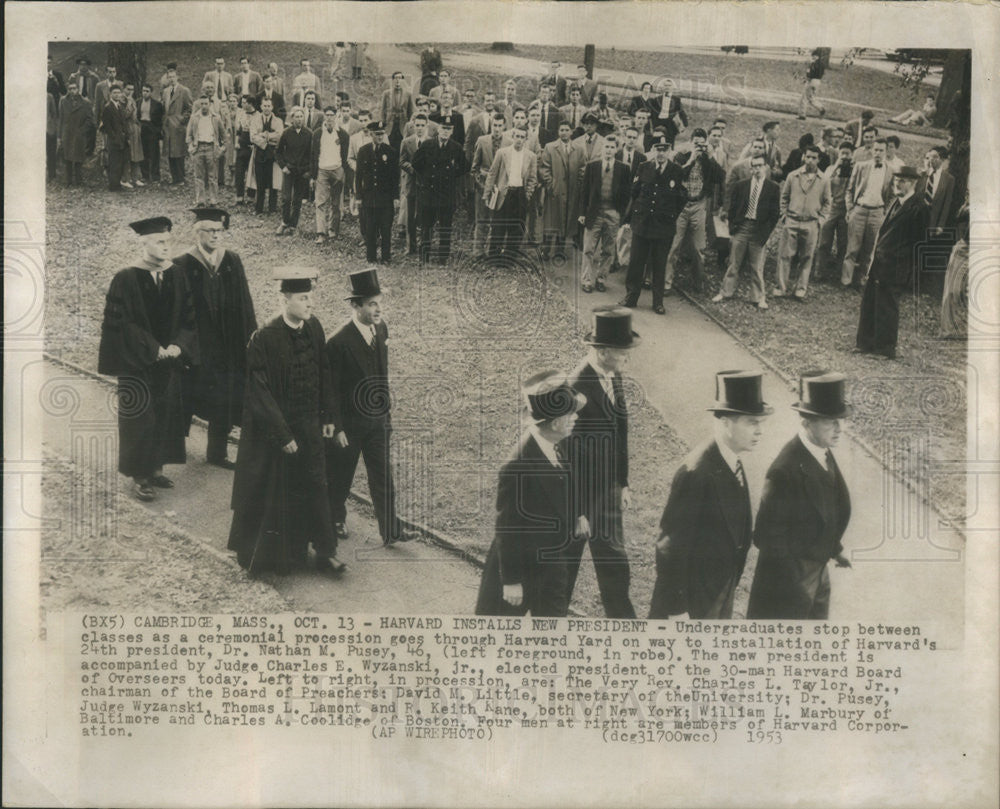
(802, 517)
(940, 214)
(705, 535)
(639, 103)
(437, 170)
(590, 198)
(361, 390)
(150, 132)
(534, 523)
(376, 184)
(55, 85)
(638, 158)
(658, 197)
(598, 451)
(548, 126)
(891, 272)
(668, 123)
(115, 128)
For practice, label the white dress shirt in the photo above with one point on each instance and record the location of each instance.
(547, 447)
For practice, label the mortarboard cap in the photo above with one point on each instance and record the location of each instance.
(155, 224)
(295, 278)
(211, 215)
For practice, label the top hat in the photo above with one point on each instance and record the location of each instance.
(364, 284)
(549, 396)
(211, 215)
(612, 328)
(907, 173)
(739, 393)
(155, 224)
(295, 278)
(821, 393)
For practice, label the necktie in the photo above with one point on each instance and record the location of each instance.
(829, 464)
(754, 193)
(159, 280)
(607, 167)
(741, 475)
(560, 454)
(219, 91)
(929, 190)
(372, 343)
(892, 210)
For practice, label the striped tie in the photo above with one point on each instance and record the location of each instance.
(929, 190)
(752, 205)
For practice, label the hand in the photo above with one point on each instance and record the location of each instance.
(341, 439)
(626, 498)
(312, 183)
(161, 353)
(286, 170)
(290, 448)
(513, 594)
(173, 351)
(581, 219)
(723, 216)
(841, 560)
(328, 431)
(582, 528)
(395, 205)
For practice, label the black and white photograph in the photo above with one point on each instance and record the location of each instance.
(644, 336)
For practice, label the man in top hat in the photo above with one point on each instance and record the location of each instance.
(376, 183)
(438, 165)
(359, 361)
(804, 510)
(599, 454)
(892, 266)
(224, 319)
(706, 528)
(279, 492)
(658, 197)
(525, 569)
(147, 338)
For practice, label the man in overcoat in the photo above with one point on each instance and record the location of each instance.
(706, 528)
(438, 165)
(804, 510)
(148, 337)
(525, 569)
(279, 491)
(177, 107)
(560, 168)
(225, 319)
(76, 119)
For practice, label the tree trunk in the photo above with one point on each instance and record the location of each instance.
(130, 59)
(589, 55)
(951, 81)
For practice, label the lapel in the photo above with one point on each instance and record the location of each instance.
(542, 470)
(728, 493)
(359, 348)
(812, 481)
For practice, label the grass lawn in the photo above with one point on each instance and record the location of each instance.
(462, 338)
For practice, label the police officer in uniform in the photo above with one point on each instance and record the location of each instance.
(438, 165)
(376, 183)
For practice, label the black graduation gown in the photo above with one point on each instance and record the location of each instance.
(279, 500)
(138, 321)
(225, 319)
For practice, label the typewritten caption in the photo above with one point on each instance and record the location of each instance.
(638, 682)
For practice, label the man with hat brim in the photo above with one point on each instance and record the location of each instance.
(706, 528)
(804, 510)
(438, 165)
(279, 490)
(658, 197)
(359, 360)
(85, 80)
(225, 319)
(589, 143)
(376, 183)
(599, 453)
(525, 569)
(891, 271)
(147, 338)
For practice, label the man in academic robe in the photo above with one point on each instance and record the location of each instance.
(147, 338)
(376, 185)
(279, 491)
(525, 570)
(892, 267)
(598, 450)
(225, 319)
(706, 528)
(359, 360)
(804, 510)
(438, 164)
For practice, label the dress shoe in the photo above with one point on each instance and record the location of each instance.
(800, 296)
(127, 185)
(140, 183)
(647, 284)
(627, 301)
(161, 482)
(330, 564)
(659, 309)
(599, 286)
(144, 492)
(762, 305)
(224, 463)
(340, 530)
(404, 535)
(587, 288)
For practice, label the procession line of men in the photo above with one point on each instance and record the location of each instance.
(566, 485)
(181, 335)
